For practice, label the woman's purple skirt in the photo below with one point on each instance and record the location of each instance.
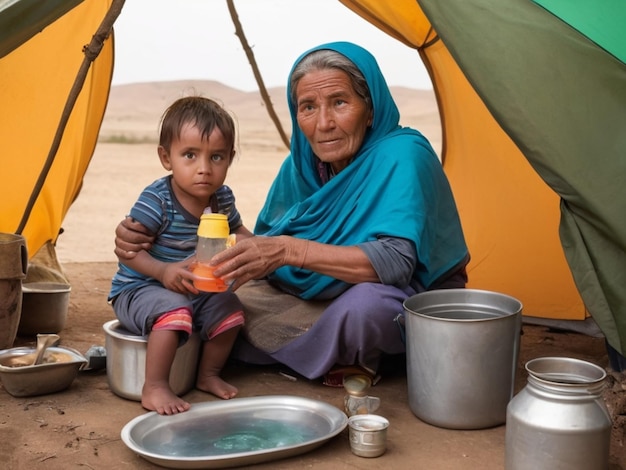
(312, 337)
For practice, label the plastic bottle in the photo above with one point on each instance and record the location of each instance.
(213, 237)
(357, 401)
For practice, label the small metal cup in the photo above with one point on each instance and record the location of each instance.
(368, 435)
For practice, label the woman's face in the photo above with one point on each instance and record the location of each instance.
(332, 116)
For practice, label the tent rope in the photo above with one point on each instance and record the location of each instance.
(257, 74)
(91, 51)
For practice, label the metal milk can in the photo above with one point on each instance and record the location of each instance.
(559, 421)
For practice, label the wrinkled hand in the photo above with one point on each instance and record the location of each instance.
(178, 277)
(131, 237)
(251, 258)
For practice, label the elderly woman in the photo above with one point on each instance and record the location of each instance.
(359, 218)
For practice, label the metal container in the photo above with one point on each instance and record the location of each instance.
(368, 435)
(57, 372)
(559, 420)
(357, 400)
(234, 433)
(44, 307)
(126, 362)
(13, 268)
(462, 349)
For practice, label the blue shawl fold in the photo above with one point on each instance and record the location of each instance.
(395, 187)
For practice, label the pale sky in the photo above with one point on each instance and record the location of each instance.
(163, 40)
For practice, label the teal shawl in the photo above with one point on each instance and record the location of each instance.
(394, 187)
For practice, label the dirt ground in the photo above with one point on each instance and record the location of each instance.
(80, 427)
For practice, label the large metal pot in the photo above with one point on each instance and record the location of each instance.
(126, 362)
(462, 349)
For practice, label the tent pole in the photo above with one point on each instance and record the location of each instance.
(257, 74)
(91, 51)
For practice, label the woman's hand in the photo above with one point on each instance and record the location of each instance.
(251, 258)
(256, 257)
(130, 238)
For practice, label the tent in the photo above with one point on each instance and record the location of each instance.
(41, 52)
(532, 96)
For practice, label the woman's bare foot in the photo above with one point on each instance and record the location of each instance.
(215, 385)
(160, 398)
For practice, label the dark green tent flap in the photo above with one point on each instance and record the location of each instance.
(561, 98)
(21, 20)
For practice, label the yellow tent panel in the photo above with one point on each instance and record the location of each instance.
(35, 80)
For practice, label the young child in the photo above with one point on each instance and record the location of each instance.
(153, 294)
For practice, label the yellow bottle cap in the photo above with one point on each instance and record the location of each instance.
(213, 226)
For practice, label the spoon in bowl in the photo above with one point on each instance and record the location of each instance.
(44, 341)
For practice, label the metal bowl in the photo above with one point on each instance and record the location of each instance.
(44, 307)
(57, 372)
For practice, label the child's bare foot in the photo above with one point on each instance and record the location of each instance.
(215, 385)
(160, 398)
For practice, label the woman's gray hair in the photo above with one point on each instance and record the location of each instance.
(326, 59)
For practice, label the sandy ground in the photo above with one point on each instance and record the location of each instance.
(80, 427)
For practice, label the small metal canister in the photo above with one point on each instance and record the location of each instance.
(368, 435)
(559, 420)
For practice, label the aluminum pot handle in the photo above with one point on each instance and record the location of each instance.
(399, 319)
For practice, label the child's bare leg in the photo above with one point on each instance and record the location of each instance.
(214, 355)
(156, 394)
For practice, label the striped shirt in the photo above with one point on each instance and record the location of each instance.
(174, 228)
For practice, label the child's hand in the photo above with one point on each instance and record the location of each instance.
(178, 278)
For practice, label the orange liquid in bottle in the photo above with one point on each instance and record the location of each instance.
(208, 282)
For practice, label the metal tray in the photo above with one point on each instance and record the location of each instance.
(236, 432)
